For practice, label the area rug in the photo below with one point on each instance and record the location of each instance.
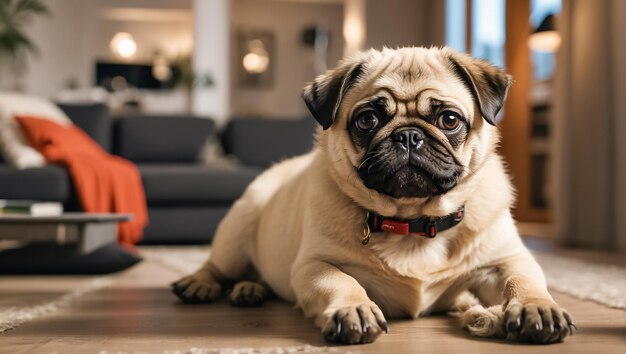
(264, 350)
(11, 317)
(603, 284)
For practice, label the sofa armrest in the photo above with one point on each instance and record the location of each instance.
(177, 139)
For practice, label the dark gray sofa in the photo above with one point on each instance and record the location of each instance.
(186, 199)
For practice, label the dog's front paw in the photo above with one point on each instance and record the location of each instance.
(197, 289)
(355, 325)
(537, 321)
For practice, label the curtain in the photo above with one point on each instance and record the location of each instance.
(589, 136)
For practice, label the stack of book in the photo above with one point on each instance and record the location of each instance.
(30, 207)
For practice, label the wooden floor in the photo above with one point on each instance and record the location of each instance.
(137, 314)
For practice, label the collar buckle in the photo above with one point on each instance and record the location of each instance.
(431, 229)
(459, 214)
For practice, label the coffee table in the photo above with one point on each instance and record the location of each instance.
(89, 231)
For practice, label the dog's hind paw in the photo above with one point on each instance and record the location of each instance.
(197, 289)
(484, 322)
(248, 294)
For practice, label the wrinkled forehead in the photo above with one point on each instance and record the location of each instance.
(417, 79)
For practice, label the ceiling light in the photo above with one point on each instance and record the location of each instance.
(123, 44)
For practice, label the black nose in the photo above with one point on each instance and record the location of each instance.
(408, 138)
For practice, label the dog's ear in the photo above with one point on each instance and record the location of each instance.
(323, 96)
(488, 84)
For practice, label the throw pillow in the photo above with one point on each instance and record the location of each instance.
(13, 145)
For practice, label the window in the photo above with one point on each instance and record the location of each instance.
(543, 63)
(488, 30)
(455, 24)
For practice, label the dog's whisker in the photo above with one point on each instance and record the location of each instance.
(365, 161)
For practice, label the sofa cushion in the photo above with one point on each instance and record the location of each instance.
(94, 119)
(161, 138)
(194, 184)
(49, 183)
(261, 142)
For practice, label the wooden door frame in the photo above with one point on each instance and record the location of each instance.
(516, 127)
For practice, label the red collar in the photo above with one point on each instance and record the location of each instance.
(424, 226)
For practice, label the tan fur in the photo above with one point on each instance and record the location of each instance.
(300, 223)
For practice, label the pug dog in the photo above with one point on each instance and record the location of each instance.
(402, 209)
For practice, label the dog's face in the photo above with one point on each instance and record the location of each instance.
(409, 123)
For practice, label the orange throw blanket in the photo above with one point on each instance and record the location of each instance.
(104, 183)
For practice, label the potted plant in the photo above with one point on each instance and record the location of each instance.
(183, 76)
(15, 44)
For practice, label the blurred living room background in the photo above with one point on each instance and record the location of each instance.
(128, 123)
(203, 94)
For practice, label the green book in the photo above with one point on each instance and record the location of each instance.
(30, 207)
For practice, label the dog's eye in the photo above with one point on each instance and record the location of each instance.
(449, 120)
(367, 122)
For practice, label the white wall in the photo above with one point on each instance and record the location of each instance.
(76, 34)
(61, 56)
(163, 25)
(388, 23)
(79, 32)
(397, 23)
(211, 56)
(293, 60)
(172, 38)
